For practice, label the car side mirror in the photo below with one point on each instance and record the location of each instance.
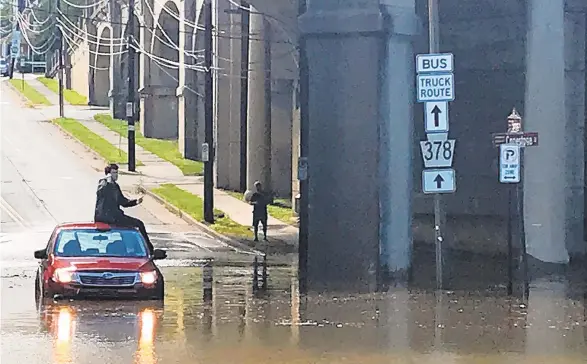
(159, 254)
(41, 254)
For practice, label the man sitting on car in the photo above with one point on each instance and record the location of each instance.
(109, 199)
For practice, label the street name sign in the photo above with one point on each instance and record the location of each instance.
(437, 153)
(438, 181)
(15, 44)
(436, 117)
(527, 139)
(432, 63)
(436, 87)
(509, 163)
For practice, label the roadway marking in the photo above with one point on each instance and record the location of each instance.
(15, 216)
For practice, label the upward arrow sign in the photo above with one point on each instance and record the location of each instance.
(436, 112)
(438, 181)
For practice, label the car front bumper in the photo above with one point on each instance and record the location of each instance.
(76, 290)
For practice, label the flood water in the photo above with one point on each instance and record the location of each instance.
(279, 326)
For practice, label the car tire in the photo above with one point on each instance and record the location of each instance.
(40, 294)
(159, 292)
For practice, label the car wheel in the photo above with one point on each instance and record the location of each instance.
(159, 292)
(40, 294)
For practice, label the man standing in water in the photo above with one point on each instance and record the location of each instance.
(259, 200)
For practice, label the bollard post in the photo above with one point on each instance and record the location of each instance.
(255, 275)
(207, 280)
(264, 274)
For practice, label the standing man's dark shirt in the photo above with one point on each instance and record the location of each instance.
(259, 200)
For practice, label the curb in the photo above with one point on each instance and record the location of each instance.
(19, 94)
(93, 152)
(190, 220)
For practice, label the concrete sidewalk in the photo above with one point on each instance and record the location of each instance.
(45, 91)
(157, 171)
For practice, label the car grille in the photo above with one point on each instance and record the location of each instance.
(115, 280)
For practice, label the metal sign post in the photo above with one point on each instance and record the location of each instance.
(435, 88)
(511, 168)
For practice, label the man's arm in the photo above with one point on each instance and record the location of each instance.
(123, 201)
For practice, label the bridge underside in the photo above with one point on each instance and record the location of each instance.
(364, 188)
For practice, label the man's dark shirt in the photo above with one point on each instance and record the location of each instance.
(260, 203)
(109, 198)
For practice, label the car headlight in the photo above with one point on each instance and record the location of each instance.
(62, 275)
(148, 277)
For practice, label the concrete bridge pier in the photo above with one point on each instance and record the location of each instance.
(189, 102)
(145, 66)
(222, 90)
(343, 217)
(282, 15)
(259, 103)
(161, 116)
(232, 175)
(555, 108)
(93, 48)
(102, 62)
(116, 95)
(396, 139)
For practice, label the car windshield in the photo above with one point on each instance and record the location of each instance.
(96, 243)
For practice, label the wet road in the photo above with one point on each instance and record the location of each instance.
(44, 181)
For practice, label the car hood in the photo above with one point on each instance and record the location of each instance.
(99, 263)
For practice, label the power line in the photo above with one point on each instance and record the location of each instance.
(219, 34)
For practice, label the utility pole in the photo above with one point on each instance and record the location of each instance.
(304, 188)
(208, 147)
(439, 213)
(244, 93)
(130, 104)
(60, 53)
(16, 33)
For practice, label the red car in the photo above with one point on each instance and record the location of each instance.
(98, 260)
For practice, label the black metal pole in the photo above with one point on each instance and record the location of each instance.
(244, 93)
(304, 98)
(208, 119)
(130, 105)
(21, 5)
(439, 212)
(510, 233)
(60, 74)
(521, 228)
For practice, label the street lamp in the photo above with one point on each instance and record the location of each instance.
(514, 122)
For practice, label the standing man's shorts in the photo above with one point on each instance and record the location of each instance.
(259, 219)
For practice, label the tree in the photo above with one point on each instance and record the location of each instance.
(6, 21)
(42, 21)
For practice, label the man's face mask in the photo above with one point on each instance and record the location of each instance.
(114, 174)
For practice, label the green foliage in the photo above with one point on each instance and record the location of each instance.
(42, 17)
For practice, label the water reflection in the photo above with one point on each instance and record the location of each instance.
(75, 325)
(65, 330)
(146, 349)
(402, 325)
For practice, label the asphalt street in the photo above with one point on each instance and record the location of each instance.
(46, 179)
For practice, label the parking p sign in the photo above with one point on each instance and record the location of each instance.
(509, 163)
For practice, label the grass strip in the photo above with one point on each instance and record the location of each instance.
(70, 96)
(101, 146)
(194, 206)
(164, 149)
(34, 96)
